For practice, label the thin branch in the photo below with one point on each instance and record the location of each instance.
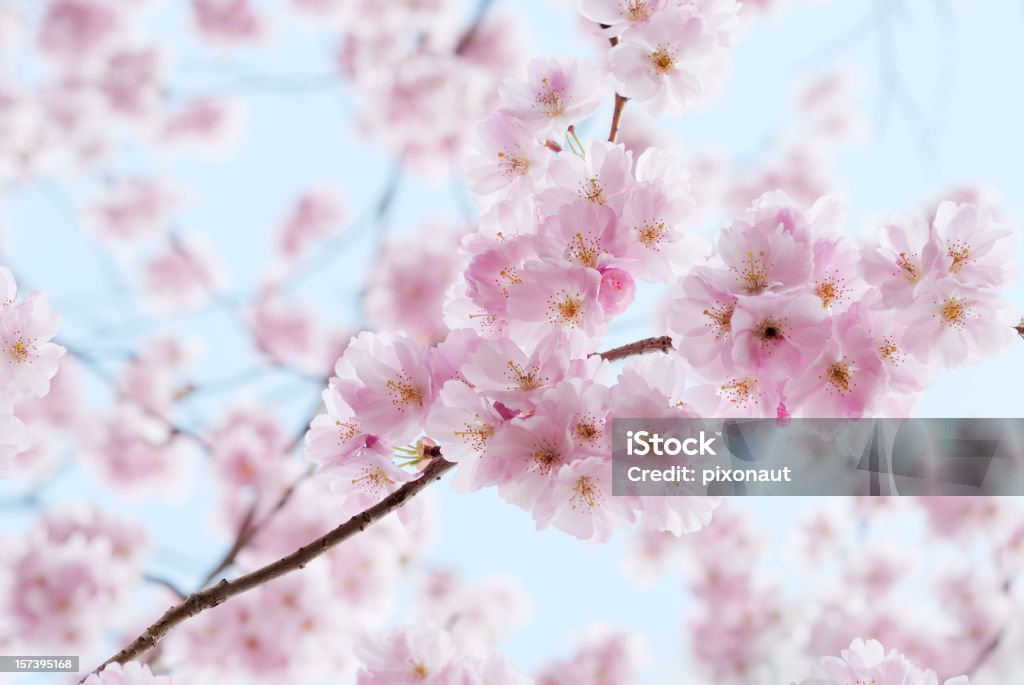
(209, 598)
(1020, 328)
(620, 100)
(660, 344)
(159, 580)
(242, 538)
(620, 104)
(466, 39)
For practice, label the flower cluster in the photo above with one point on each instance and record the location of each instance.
(789, 316)
(414, 70)
(74, 565)
(28, 360)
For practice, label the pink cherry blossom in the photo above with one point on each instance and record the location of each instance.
(316, 213)
(906, 258)
(288, 334)
(868, 661)
(847, 380)
(777, 335)
(510, 159)
(386, 381)
(180, 276)
(133, 208)
(552, 297)
(227, 21)
(555, 94)
(619, 15)
(29, 358)
(407, 287)
(976, 249)
(956, 326)
(663, 63)
(73, 30)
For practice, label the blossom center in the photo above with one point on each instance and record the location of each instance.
(584, 494)
(587, 430)
(754, 273)
(954, 312)
(636, 10)
(346, 430)
(478, 435)
(770, 331)
(404, 392)
(910, 270)
(663, 60)
(592, 191)
(546, 458)
(840, 375)
(739, 391)
(525, 379)
(721, 319)
(549, 99)
(566, 309)
(652, 234)
(507, 277)
(513, 165)
(958, 252)
(584, 250)
(19, 352)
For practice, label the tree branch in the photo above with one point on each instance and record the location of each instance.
(199, 602)
(466, 39)
(661, 344)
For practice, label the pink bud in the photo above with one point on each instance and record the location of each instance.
(616, 292)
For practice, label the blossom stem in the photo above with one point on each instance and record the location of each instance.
(198, 602)
(661, 344)
(620, 104)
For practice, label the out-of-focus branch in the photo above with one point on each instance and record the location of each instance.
(216, 595)
(659, 344)
(242, 538)
(466, 39)
(163, 582)
(1020, 328)
(97, 369)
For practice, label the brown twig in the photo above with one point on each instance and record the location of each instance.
(1020, 328)
(216, 595)
(241, 540)
(620, 104)
(466, 39)
(661, 344)
(158, 580)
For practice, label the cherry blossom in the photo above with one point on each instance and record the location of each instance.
(868, 660)
(664, 62)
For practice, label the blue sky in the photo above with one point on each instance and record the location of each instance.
(938, 88)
